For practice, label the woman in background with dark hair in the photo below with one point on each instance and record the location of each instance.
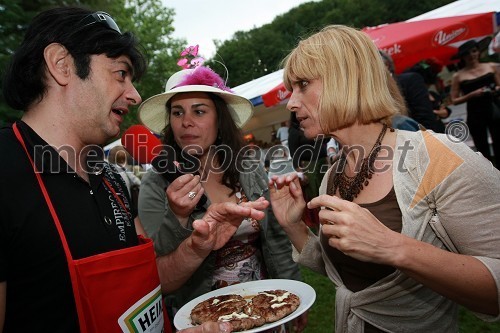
(474, 84)
(199, 117)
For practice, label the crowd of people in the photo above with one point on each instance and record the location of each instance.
(406, 220)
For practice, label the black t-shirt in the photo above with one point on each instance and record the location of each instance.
(32, 259)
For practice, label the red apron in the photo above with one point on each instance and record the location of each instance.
(117, 291)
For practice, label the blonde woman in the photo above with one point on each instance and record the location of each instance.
(410, 225)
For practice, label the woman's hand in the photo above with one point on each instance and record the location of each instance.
(220, 223)
(355, 231)
(178, 191)
(442, 112)
(286, 199)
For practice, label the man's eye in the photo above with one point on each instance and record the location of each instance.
(122, 74)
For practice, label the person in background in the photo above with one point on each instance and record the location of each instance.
(118, 157)
(476, 84)
(403, 239)
(415, 93)
(441, 110)
(332, 151)
(282, 134)
(309, 158)
(201, 118)
(73, 77)
(429, 70)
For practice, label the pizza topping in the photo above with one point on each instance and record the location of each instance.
(274, 304)
(268, 306)
(235, 315)
(278, 305)
(277, 298)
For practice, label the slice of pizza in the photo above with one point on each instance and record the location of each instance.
(242, 321)
(217, 306)
(273, 305)
(229, 308)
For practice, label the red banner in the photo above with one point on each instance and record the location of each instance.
(410, 42)
(276, 95)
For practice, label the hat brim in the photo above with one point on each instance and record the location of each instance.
(481, 46)
(152, 112)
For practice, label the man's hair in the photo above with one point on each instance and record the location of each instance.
(25, 77)
(228, 134)
(357, 87)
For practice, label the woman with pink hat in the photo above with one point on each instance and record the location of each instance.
(200, 119)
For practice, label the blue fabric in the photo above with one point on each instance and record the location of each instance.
(404, 123)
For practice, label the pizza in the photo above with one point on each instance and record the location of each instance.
(218, 306)
(273, 305)
(265, 307)
(229, 308)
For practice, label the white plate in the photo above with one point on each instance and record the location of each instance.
(305, 292)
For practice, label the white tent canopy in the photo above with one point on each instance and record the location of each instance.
(460, 7)
(264, 119)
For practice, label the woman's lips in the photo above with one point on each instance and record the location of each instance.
(188, 137)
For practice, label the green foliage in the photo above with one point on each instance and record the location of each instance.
(147, 19)
(248, 55)
(15, 16)
(252, 54)
(152, 24)
(321, 314)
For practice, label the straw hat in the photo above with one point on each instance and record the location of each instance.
(465, 48)
(153, 114)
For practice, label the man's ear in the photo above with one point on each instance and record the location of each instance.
(59, 62)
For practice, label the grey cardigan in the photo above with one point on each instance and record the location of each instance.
(449, 196)
(167, 233)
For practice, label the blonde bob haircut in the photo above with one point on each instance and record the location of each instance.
(357, 87)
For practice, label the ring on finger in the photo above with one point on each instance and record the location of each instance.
(191, 195)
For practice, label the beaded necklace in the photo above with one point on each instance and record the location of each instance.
(350, 187)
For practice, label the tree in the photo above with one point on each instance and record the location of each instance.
(254, 53)
(246, 56)
(152, 24)
(15, 16)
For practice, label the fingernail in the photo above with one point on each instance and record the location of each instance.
(224, 327)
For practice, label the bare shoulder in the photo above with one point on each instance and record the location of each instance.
(457, 76)
(494, 65)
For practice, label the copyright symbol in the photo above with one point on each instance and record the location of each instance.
(457, 131)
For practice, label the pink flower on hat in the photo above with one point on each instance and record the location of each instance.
(190, 52)
(204, 76)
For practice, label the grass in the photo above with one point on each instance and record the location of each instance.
(321, 314)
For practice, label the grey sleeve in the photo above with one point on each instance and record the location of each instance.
(156, 217)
